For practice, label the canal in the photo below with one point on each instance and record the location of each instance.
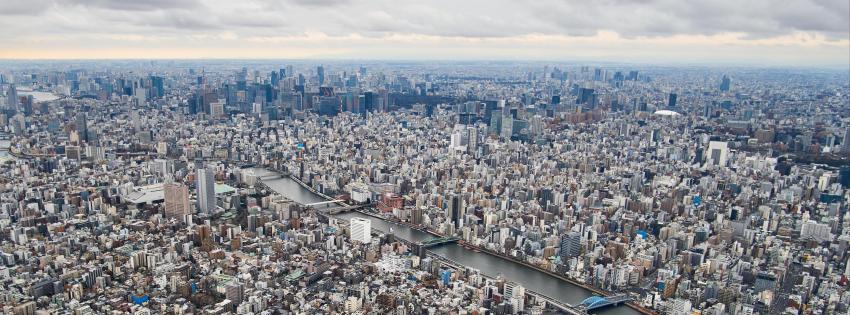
(492, 266)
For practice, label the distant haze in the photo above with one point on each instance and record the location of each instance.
(756, 32)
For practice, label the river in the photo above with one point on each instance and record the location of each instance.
(492, 266)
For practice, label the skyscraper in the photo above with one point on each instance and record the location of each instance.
(176, 200)
(329, 106)
(570, 245)
(205, 187)
(320, 71)
(671, 100)
(12, 97)
(845, 142)
(157, 87)
(82, 127)
(725, 84)
(361, 230)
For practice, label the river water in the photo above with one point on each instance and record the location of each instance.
(492, 266)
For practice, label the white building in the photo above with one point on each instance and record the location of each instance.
(678, 307)
(459, 139)
(818, 231)
(717, 154)
(359, 192)
(825, 180)
(361, 230)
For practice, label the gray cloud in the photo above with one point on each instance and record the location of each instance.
(321, 3)
(199, 20)
(24, 8)
(138, 5)
(473, 18)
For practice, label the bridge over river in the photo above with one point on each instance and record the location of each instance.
(543, 284)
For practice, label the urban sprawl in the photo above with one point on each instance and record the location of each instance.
(166, 187)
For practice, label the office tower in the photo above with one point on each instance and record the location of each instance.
(235, 292)
(26, 103)
(845, 141)
(329, 106)
(495, 127)
(806, 139)
(195, 104)
(275, 78)
(598, 74)
(472, 139)
(455, 209)
(383, 100)
(205, 186)
(293, 101)
(586, 96)
(157, 88)
(217, 109)
(671, 100)
(19, 124)
(176, 200)
(456, 141)
(82, 127)
(369, 101)
(718, 153)
(507, 126)
(320, 71)
(570, 245)
(725, 84)
(361, 230)
(12, 97)
(844, 177)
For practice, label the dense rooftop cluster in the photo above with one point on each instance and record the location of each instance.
(140, 188)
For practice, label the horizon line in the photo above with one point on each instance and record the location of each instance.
(734, 64)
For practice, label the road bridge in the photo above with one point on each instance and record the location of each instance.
(438, 241)
(596, 302)
(324, 202)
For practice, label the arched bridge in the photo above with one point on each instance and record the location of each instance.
(597, 302)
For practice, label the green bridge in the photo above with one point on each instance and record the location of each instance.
(438, 241)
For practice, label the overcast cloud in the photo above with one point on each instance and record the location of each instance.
(800, 32)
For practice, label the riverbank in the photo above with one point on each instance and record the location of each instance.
(539, 280)
(595, 290)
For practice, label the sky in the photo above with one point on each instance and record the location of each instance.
(745, 32)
